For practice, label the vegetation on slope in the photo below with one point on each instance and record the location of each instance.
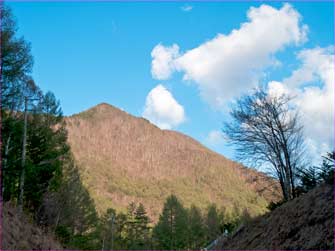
(305, 223)
(123, 158)
(19, 232)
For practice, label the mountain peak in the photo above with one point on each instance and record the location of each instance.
(103, 104)
(103, 107)
(100, 110)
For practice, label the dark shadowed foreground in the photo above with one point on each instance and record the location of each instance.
(304, 223)
(20, 233)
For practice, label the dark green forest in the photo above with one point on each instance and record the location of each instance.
(39, 175)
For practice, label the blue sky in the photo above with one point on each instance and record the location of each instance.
(88, 53)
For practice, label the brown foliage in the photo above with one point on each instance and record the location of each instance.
(123, 158)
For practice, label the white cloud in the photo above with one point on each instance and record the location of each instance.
(162, 109)
(162, 64)
(312, 85)
(227, 65)
(276, 89)
(187, 8)
(214, 138)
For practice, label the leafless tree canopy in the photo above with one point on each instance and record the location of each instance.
(265, 130)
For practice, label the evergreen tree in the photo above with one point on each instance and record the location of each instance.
(327, 168)
(143, 239)
(131, 231)
(212, 223)
(196, 230)
(33, 136)
(71, 211)
(16, 62)
(46, 148)
(108, 229)
(171, 229)
(120, 231)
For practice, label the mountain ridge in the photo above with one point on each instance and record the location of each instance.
(123, 158)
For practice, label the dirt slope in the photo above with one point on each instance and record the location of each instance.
(19, 233)
(306, 223)
(123, 158)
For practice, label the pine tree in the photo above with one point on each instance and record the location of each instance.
(212, 223)
(143, 240)
(196, 232)
(131, 231)
(120, 231)
(171, 229)
(108, 229)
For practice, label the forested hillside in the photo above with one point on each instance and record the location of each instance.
(123, 158)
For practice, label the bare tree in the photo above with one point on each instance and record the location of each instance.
(265, 130)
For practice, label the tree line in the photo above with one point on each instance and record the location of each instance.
(33, 136)
(178, 228)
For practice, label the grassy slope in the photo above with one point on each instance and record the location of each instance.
(123, 158)
(21, 233)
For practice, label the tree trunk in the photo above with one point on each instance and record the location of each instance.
(4, 166)
(23, 160)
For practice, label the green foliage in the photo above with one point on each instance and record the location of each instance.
(273, 205)
(40, 168)
(129, 231)
(171, 230)
(63, 233)
(327, 168)
(16, 62)
(212, 223)
(143, 238)
(196, 229)
(310, 177)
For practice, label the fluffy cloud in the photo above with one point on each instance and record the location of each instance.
(215, 138)
(312, 85)
(162, 109)
(276, 89)
(227, 65)
(162, 64)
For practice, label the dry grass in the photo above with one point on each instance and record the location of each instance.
(305, 223)
(123, 158)
(20, 233)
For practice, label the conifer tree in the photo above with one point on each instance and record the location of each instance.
(212, 223)
(142, 228)
(196, 232)
(171, 229)
(131, 231)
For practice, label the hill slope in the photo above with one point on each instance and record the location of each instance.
(20, 233)
(305, 223)
(123, 158)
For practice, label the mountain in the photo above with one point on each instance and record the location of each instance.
(123, 158)
(305, 223)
